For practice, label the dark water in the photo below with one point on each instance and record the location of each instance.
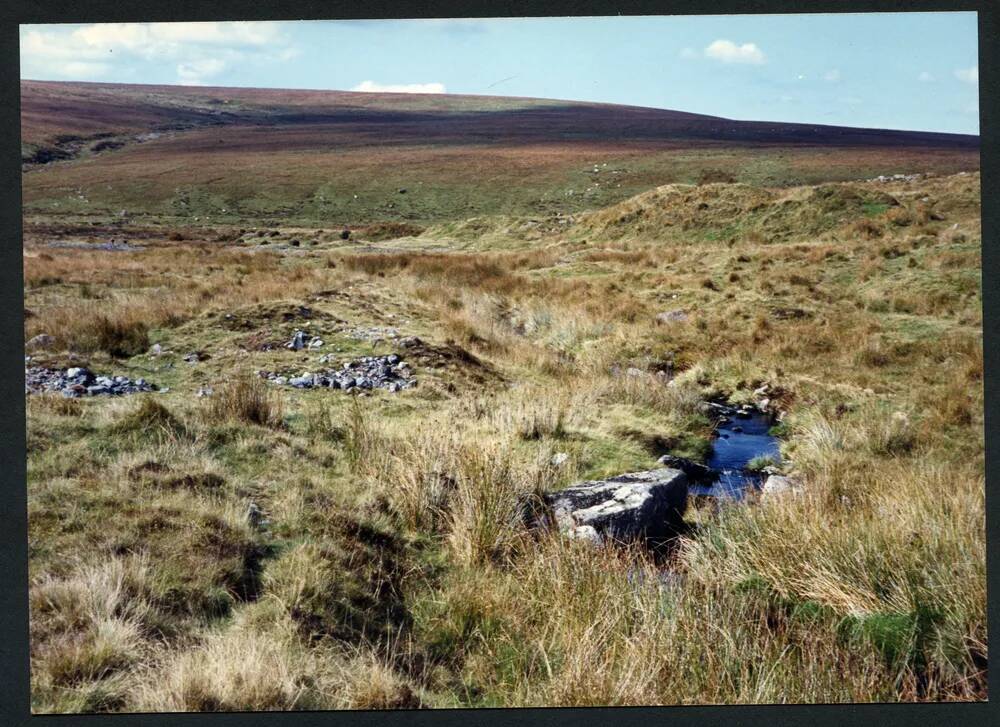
(731, 452)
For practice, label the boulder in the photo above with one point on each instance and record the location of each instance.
(632, 506)
(780, 485)
(702, 474)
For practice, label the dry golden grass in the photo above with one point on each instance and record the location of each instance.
(247, 399)
(396, 570)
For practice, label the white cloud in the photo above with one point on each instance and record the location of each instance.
(833, 75)
(197, 71)
(969, 75)
(372, 87)
(925, 77)
(728, 52)
(196, 50)
(689, 53)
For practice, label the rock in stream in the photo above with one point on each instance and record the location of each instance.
(628, 507)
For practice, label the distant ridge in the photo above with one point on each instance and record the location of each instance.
(47, 106)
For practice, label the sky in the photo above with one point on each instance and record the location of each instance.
(915, 71)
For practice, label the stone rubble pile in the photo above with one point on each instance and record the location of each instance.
(369, 372)
(375, 333)
(78, 381)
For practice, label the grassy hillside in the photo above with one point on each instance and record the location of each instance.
(562, 278)
(393, 570)
(164, 154)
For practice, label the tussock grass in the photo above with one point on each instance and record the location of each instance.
(397, 567)
(249, 400)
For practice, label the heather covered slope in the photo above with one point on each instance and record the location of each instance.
(339, 158)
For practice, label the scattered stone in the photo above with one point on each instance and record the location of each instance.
(78, 381)
(196, 356)
(41, 341)
(629, 507)
(204, 391)
(156, 350)
(896, 178)
(375, 333)
(559, 459)
(302, 340)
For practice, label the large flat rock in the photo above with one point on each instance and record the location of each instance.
(631, 506)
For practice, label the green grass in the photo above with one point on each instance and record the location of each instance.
(394, 570)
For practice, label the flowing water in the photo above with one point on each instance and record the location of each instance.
(739, 440)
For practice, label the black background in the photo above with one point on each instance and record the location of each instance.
(14, 685)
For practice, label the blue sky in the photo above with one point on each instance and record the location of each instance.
(883, 70)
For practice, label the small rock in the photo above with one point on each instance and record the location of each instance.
(779, 485)
(695, 471)
(559, 458)
(156, 350)
(587, 533)
(671, 316)
(41, 341)
(254, 516)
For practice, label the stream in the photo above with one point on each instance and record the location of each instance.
(739, 438)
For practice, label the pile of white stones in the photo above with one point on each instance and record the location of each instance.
(78, 381)
(369, 372)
